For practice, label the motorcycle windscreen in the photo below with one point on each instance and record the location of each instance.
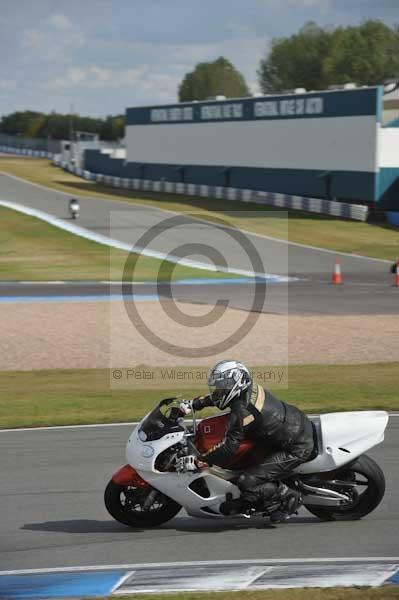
(160, 421)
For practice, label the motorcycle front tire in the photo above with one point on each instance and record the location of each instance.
(166, 509)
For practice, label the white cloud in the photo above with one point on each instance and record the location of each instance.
(8, 85)
(240, 29)
(96, 77)
(159, 68)
(58, 44)
(60, 22)
(144, 84)
(244, 52)
(160, 87)
(33, 40)
(321, 6)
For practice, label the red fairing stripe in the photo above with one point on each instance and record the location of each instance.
(128, 476)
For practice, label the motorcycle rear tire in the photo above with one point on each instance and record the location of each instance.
(371, 498)
(136, 519)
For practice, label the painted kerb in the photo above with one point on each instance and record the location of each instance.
(36, 584)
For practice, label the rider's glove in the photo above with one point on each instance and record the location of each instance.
(189, 463)
(201, 402)
(185, 407)
(186, 463)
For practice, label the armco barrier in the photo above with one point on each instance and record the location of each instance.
(356, 212)
(26, 152)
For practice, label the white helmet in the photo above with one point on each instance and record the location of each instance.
(227, 380)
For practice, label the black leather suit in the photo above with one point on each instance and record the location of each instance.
(285, 432)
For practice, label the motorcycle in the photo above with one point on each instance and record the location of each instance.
(338, 482)
(74, 208)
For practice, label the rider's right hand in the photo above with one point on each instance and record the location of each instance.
(201, 464)
(189, 463)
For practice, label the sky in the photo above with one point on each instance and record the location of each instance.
(102, 56)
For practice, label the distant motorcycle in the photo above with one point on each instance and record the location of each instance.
(339, 482)
(74, 208)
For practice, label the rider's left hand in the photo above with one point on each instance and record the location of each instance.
(185, 407)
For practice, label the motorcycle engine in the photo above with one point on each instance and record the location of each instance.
(167, 459)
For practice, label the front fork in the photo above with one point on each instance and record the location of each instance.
(149, 501)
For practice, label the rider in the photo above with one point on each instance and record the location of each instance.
(284, 431)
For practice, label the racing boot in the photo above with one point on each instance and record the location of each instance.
(290, 501)
(236, 506)
(251, 501)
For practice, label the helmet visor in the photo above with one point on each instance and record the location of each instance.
(219, 390)
(218, 397)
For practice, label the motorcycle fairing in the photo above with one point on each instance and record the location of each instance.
(126, 475)
(343, 437)
(143, 454)
(181, 488)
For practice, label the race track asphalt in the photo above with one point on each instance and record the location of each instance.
(296, 298)
(367, 289)
(52, 512)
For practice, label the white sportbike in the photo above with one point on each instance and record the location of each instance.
(338, 482)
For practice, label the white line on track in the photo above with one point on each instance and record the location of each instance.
(99, 238)
(117, 283)
(74, 282)
(165, 210)
(120, 582)
(254, 561)
(55, 427)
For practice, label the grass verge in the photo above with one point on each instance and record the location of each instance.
(65, 397)
(378, 241)
(383, 593)
(36, 251)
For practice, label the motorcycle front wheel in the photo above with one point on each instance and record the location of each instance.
(367, 481)
(128, 505)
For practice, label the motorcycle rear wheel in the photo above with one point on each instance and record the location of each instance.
(125, 504)
(372, 478)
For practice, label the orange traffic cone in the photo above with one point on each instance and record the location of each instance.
(336, 276)
(396, 284)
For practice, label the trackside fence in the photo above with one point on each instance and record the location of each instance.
(356, 212)
(26, 152)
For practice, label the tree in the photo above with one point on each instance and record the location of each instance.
(366, 55)
(213, 79)
(35, 126)
(57, 126)
(19, 123)
(113, 128)
(296, 61)
(316, 58)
